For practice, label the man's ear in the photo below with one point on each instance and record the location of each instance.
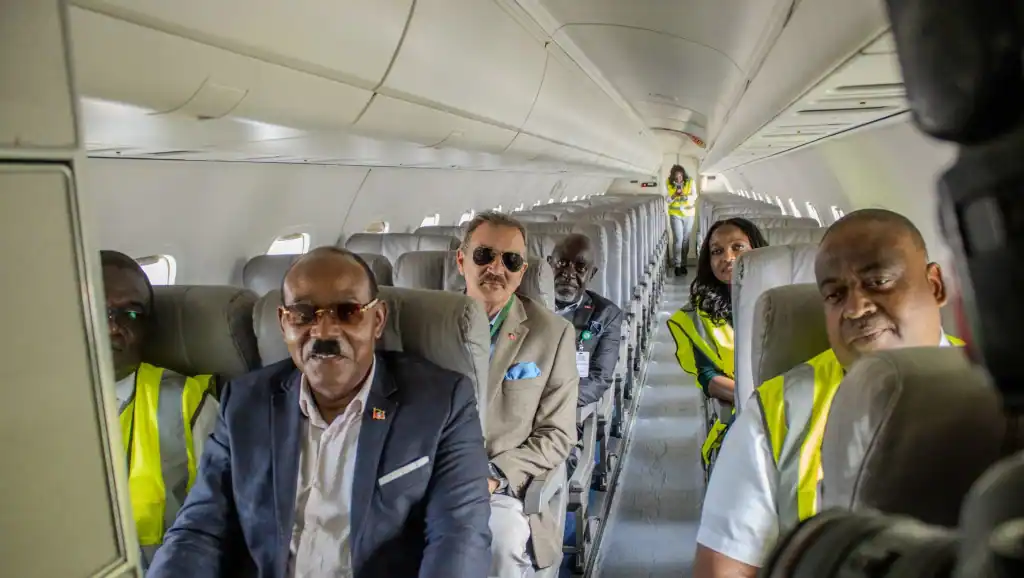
(460, 258)
(551, 261)
(593, 272)
(937, 283)
(380, 318)
(280, 318)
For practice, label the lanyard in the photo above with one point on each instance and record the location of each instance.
(496, 325)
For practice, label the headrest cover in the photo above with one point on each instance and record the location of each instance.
(381, 268)
(909, 432)
(448, 329)
(202, 329)
(754, 273)
(534, 217)
(542, 245)
(264, 273)
(788, 329)
(793, 236)
(440, 270)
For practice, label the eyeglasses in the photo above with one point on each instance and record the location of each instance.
(484, 256)
(125, 315)
(350, 314)
(580, 267)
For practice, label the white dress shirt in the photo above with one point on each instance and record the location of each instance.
(739, 517)
(320, 545)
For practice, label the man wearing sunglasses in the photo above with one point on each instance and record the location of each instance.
(165, 417)
(598, 321)
(532, 386)
(338, 461)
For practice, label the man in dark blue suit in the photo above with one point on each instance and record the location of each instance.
(337, 462)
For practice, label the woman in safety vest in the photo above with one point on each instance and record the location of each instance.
(681, 201)
(702, 330)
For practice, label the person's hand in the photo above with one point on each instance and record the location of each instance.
(492, 485)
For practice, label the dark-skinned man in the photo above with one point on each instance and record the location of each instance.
(163, 448)
(532, 386)
(337, 461)
(879, 292)
(597, 321)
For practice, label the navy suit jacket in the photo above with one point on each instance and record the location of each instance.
(429, 523)
(604, 320)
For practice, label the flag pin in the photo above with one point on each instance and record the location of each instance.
(512, 336)
(378, 413)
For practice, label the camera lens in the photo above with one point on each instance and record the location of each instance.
(840, 544)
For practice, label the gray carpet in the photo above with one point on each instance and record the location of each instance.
(652, 526)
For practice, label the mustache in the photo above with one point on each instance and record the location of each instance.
(492, 278)
(325, 347)
(866, 326)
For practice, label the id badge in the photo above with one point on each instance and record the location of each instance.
(583, 363)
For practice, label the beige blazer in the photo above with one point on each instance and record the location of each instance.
(531, 422)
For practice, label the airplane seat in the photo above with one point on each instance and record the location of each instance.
(793, 235)
(542, 245)
(909, 432)
(448, 329)
(438, 270)
(535, 217)
(441, 230)
(393, 245)
(203, 329)
(765, 222)
(264, 273)
(754, 273)
(788, 329)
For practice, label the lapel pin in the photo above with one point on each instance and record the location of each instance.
(378, 413)
(512, 336)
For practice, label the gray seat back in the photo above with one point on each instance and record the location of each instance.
(534, 217)
(788, 329)
(909, 432)
(264, 273)
(201, 329)
(454, 231)
(754, 273)
(448, 329)
(784, 221)
(393, 245)
(596, 231)
(793, 236)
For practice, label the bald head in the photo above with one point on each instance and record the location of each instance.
(327, 253)
(879, 290)
(572, 261)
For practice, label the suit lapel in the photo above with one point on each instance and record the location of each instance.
(510, 339)
(285, 429)
(377, 417)
(584, 311)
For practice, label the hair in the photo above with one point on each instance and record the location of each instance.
(494, 219)
(121, 261)
(709, 294)
(883, 216)
(341, 252)
(678, 169)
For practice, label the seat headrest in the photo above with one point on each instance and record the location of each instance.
(440, 270)
(202, 329)
(793, 235)
(448, 329)
(265, 273)
(543, 244)
(909, 432)
(754, 273)
(393, 245)
(534, 217)
(788, 329)
(455, 231)
(784, 221)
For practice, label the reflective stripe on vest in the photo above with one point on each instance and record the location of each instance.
(156, 428)
(795, 407)
(682, 206)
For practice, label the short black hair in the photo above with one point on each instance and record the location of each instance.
(678, 169)
(116, 259)
(342, 252)
(883, 216)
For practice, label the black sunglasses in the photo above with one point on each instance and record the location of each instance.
(349, 314)
(484, 256)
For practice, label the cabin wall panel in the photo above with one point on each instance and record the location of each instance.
(213, 216)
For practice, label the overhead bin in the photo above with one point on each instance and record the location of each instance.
(471, 56)
(124, 62)
(398, 119)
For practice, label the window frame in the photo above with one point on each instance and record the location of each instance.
(287, 238)
(151, 260)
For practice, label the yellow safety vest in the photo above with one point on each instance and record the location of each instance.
(795, 406)
(683, 205)
(156, 428)
(695, 329)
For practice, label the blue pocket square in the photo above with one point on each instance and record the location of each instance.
(524, 370)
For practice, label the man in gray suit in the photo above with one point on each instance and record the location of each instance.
(337, 462)
(532, 388)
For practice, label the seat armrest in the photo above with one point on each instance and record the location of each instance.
(542, 489)
(586, 411)
(723, 410)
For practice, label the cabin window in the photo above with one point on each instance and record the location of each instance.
(497, 209)
(551, 200)
(537, 204)
(813, 213)
(576, 198)
(161, 269)
(295, 244)
(378, 227)
(467, 216)
(796, 211)
(565, 199)
(778, 201)
(431, 220)
(522, 206)
(837, 213)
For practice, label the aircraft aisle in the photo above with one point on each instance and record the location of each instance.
(652, 526)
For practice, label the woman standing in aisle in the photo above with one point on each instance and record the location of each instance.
(681, 201)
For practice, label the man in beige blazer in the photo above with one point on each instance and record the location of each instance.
(532, 389)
